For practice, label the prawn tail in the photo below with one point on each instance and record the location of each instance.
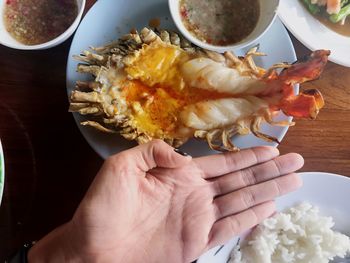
(306, 104)
(310, 68)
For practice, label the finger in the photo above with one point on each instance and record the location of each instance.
(245, 198)
(228, 227)
(281, 165)
(157, 153)
(220, 164)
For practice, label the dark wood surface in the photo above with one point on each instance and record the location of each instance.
(49, 165)
(325, 142)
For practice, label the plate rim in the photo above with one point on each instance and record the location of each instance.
(86, 134)
(325, 174)
(306, 43)
(2, 172)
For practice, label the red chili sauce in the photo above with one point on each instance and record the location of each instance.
(220, 22)
(33, 22)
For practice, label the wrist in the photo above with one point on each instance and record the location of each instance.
(21, 254)
(55, 247)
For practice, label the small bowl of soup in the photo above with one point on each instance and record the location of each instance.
(222, 25)
(38, 24)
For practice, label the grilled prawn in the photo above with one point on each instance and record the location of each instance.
(157, 85)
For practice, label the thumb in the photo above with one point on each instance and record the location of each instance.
(158, 154)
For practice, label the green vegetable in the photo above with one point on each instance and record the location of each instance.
(313, 8)
(344, 2)
(344, 12)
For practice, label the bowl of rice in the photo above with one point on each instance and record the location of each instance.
(299, 234)
(312, 225)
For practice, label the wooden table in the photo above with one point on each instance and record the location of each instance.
(49, 165)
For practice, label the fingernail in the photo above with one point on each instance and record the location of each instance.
(180, 152)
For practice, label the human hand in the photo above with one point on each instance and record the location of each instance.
(150, 204)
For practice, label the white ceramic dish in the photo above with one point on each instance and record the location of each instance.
(7, 40)
(329, 192)
(268, 10)
(2, 172)
(105, 22)
(312, 33)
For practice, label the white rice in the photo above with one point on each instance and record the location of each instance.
(299, 235)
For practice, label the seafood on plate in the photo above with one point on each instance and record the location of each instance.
(156, 85)
(336, 11)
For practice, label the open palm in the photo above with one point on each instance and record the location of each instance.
(151, 204)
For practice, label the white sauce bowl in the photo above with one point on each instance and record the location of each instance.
(7, 40)
(268, 12)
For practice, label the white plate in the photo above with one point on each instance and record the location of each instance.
(109, 19)
(329, 192)
(313, 33)
(2, 172)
